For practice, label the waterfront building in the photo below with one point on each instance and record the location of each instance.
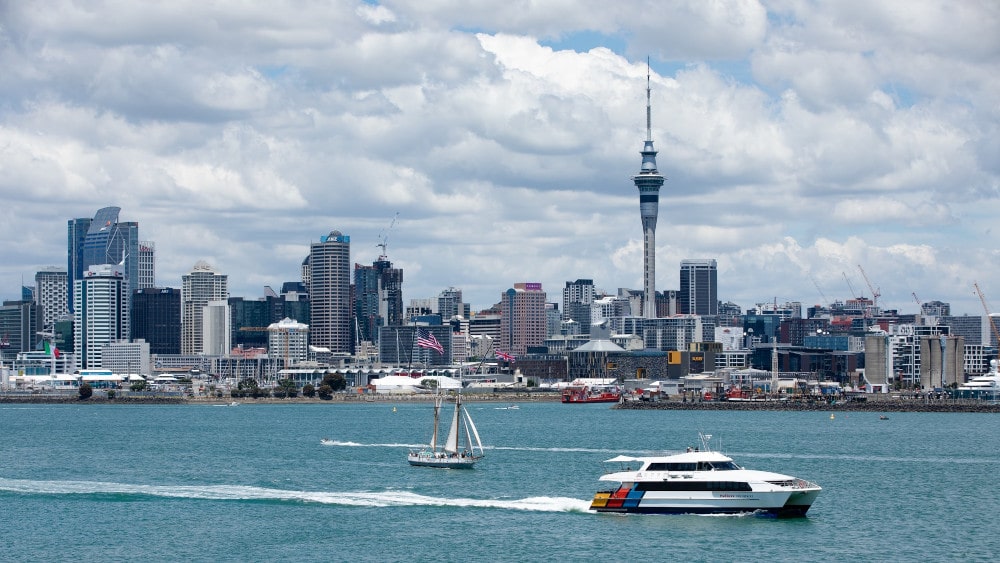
(198, 287)
(123, 357)
(699, 289)
(289, 341)
(330, 293)
(102, 314)
(216, 328)
(52, 294)
(577, 298)
(522, 319)
(648, 181)
(156, 318)
(378, 298)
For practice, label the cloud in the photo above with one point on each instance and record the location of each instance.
(799, 139)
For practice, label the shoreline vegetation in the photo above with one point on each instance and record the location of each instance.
(873, 403)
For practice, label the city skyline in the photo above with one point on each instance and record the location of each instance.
(800, 141)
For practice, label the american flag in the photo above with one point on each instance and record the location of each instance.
(505, 356)
(426, 340)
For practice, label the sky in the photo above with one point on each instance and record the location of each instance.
(806, 144)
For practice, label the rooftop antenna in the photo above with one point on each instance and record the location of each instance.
(649, 111)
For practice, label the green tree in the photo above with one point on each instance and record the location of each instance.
(139, 385)
(335, 381)
(325, 392)
(429, 383)
(308, 390)
(86, 391)
(286, 388)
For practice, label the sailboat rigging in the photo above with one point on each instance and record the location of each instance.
(462, 447)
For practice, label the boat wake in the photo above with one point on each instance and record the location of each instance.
(329, 442)
(246, 493)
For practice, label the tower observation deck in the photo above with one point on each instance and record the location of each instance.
(648, 181)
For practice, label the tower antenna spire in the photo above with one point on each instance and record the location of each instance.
(649, 110)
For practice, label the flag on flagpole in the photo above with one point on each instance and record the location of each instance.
(505, 356)
(426, 340)
(51, 350)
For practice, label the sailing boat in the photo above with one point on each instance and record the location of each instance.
(452, 454)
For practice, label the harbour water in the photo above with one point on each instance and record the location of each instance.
(254, 483)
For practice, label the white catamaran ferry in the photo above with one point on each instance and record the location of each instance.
(701, 481)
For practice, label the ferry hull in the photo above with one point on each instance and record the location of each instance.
(778, 503)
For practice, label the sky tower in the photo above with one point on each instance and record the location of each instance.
(648, 181)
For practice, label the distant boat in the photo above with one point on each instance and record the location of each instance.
(591, 394)
(462, 447)
(883, 417)
(986, 386)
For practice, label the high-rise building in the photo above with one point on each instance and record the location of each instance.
(156, 318)
(52, 293)
(699, 292)
(523, 321)
(76, 234)
(20, 322)
(449, 304)
(147, 265)
(378, 298)
(577, 298)
(105, 240)
(330, 292)
(215, 328)
(101, 299)
(288, 340)
(648, 181)
(199, 287)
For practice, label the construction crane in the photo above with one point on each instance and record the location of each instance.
(993, 324)
(917, 299)
(826, 302)
(383, 237)
(854, 294)
(875, 291)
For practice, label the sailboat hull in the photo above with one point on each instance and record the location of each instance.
(442, 460)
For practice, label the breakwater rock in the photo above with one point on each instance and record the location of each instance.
(873, 406)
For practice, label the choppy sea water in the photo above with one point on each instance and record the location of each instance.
(254, 483)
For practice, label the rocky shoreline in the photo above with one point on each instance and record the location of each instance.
(873, 405)
(868, 405)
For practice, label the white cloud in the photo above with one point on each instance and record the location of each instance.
(799, 139)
